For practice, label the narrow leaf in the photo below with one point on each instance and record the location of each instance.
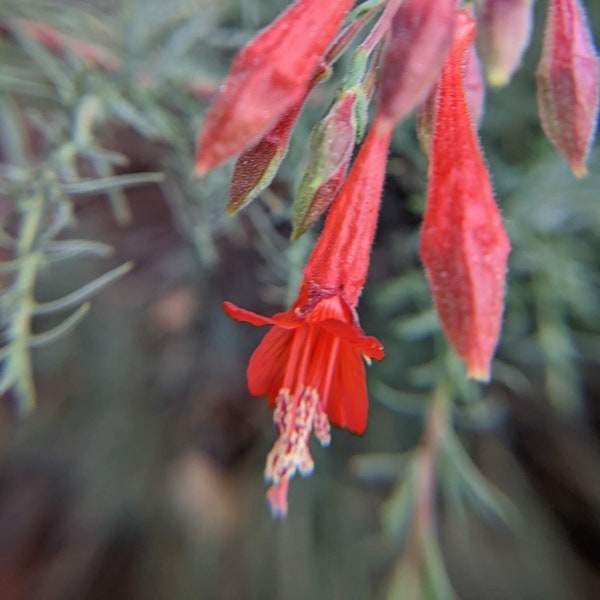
(84, 293)
(483, 495)
(104, 184)
(380, 467)
(398, 509)
(64, 249)
(42, 339)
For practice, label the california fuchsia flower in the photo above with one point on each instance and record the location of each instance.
(567, 83)
(420, 37)
(503, 34)
(268, 77)
(463, 245)
(310, 364)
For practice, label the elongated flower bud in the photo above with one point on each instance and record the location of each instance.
(503, 34)
(269, 76)
(332, 143)
(420, 37)
(463, 244)
(256, 167)
(567, 83)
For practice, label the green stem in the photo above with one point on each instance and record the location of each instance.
(19, 361)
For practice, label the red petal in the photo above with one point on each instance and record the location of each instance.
(287, 320)
(368, 345)
(267, 364)
(348, 401)
(245, 316)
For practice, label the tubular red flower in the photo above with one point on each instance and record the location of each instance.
(311, 362)
(463, 245)
(269, 76)
(567, 83)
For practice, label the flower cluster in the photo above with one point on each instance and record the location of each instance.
(429, 55)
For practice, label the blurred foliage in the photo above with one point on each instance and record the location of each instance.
(139, 474)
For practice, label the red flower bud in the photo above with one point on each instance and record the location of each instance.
(269, 76)
(503, 34)
(256, 167)
(332, 143)
(420, 37)
(567, 83)
(463, 245)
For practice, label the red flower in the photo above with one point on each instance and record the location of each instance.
(310, 363)
(269, 76)
(567, 83)
(463, 244)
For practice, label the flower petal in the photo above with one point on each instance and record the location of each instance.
(267, 364)
(348, 401)
(349, 333)
(246, 316)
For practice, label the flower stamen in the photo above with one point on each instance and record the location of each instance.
(295, 424)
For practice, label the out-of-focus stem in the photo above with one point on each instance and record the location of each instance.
(420, 540)
(426, 464)
(18, 362)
